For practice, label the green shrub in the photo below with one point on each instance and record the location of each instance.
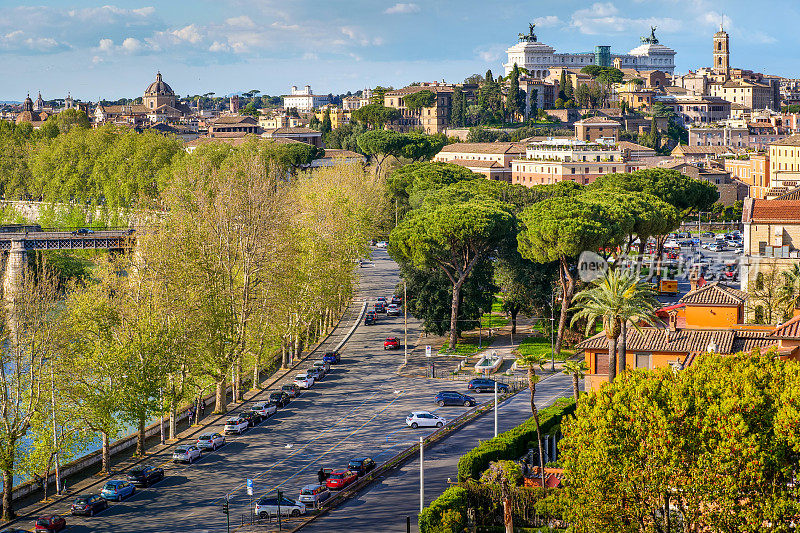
(441, 512)
(514, 443)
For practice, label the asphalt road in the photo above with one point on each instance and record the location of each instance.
(390, 501)
(357, 410)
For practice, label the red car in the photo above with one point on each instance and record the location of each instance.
(339, 479)
(50, 523)
(391, 344)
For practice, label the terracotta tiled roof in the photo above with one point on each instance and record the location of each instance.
(485, 148)
(765, 211)
(476, 163)
(716, 293)
(285, 130)
(788, 330)
(682, 341)
(794, 194)
(793, 140)
(627, 145)
(232, 140)
(235, 119)
(746, 340)
(417, 88)
(713, 150)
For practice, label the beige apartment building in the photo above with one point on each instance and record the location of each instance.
(490, 159)
(771, 240)
(594, 128)
(753, 170)
(784, 168)
(557, 160)
(751, 94)
(434, 119)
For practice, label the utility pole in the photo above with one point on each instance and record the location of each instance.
(405, 326)
(495, 408)
(161, 401)
(421, 475)
(226, 510)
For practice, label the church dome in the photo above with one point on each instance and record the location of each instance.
(159, 88)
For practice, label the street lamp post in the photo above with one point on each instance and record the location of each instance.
(405, 326)
(495, 408)
(480, 327)
(421, 476)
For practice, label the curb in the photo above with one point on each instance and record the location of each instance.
(210, 420)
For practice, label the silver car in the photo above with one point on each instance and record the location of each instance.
(210, 441)
(186, 454)
(265, 409)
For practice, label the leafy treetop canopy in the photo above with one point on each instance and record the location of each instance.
(418, 100)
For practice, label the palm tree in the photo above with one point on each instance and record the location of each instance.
(790, 291)
(576, 369)
(615, 299)
(531, 360)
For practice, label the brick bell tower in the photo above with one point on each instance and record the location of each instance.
(722, 53)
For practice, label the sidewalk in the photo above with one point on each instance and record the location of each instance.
(30, 507)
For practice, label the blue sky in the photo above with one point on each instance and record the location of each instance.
(113, 50)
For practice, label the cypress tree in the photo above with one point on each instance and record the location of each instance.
(458, 108)
(562, 86)
(569, 90)
(513, 96)
(326, 122)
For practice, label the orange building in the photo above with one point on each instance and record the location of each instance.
(707, 319)
(754, 171)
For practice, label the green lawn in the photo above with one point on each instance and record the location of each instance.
(496, 318)
(541, 345)
(467, 346)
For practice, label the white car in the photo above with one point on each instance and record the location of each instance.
(382, 244)
(235, 425)
(393, 310)
(210, 441)
(424, 419)
(186, 454)
(265, 409)
(268, 506)
(322, 366)
(304, 381)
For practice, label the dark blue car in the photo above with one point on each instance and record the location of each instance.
(454, 398)
(332, 357)
(486, 385)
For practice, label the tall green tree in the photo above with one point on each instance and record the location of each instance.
(381, 144)
(453, 238)
(531, 361)
(458, 108)
(325, 127)
(514, 103)
(560, 229)
(375, 116)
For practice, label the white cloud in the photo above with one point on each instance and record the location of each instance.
(402, 9)
(20, 41)
(359, 37)
(217, 46)
(241, 22)
(491, 53)
(131, 45)
(283, 26)
(106, 45)
(603, 18)
(547, 21)
(190, 33)
(310, 56)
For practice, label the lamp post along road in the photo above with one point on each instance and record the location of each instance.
(495, 408)
(421, 476)
(405, 326)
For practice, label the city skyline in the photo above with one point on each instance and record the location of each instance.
(94, 51)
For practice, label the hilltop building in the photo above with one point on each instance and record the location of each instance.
(539, 58)
(304, 100)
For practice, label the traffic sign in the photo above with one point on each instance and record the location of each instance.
(427, 351)
(249, 487)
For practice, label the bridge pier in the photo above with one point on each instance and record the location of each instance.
(14, 270)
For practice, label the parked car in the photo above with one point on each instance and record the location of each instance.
(322, 366)
(279, 398)
(266, 507)
(50, 523)
(315, 373)
(716, 247)
(88, 505)
(424, 419)
(361, 466)
(303, 381)
(391, 344)
(265, 409)
(83, 231)
(381, 299)
(382, 244)
(144, 476)
(380, 307)
(486, 385)
(393, 310)
(369, 318)
(339, 479)
(332, 357)
(314, 494)
(187, 454)
(447, 397)
(397, 300)
(291, 390)
(117, 490)
(235, 425)
(707, 234)
(253, 418)
(210, 441)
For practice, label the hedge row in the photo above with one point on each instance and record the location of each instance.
(514, 443)
(452, 499)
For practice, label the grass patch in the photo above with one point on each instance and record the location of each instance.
(467, 346)
(493, 321)
(541, 345)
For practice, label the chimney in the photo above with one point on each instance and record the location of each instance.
(673, 322)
